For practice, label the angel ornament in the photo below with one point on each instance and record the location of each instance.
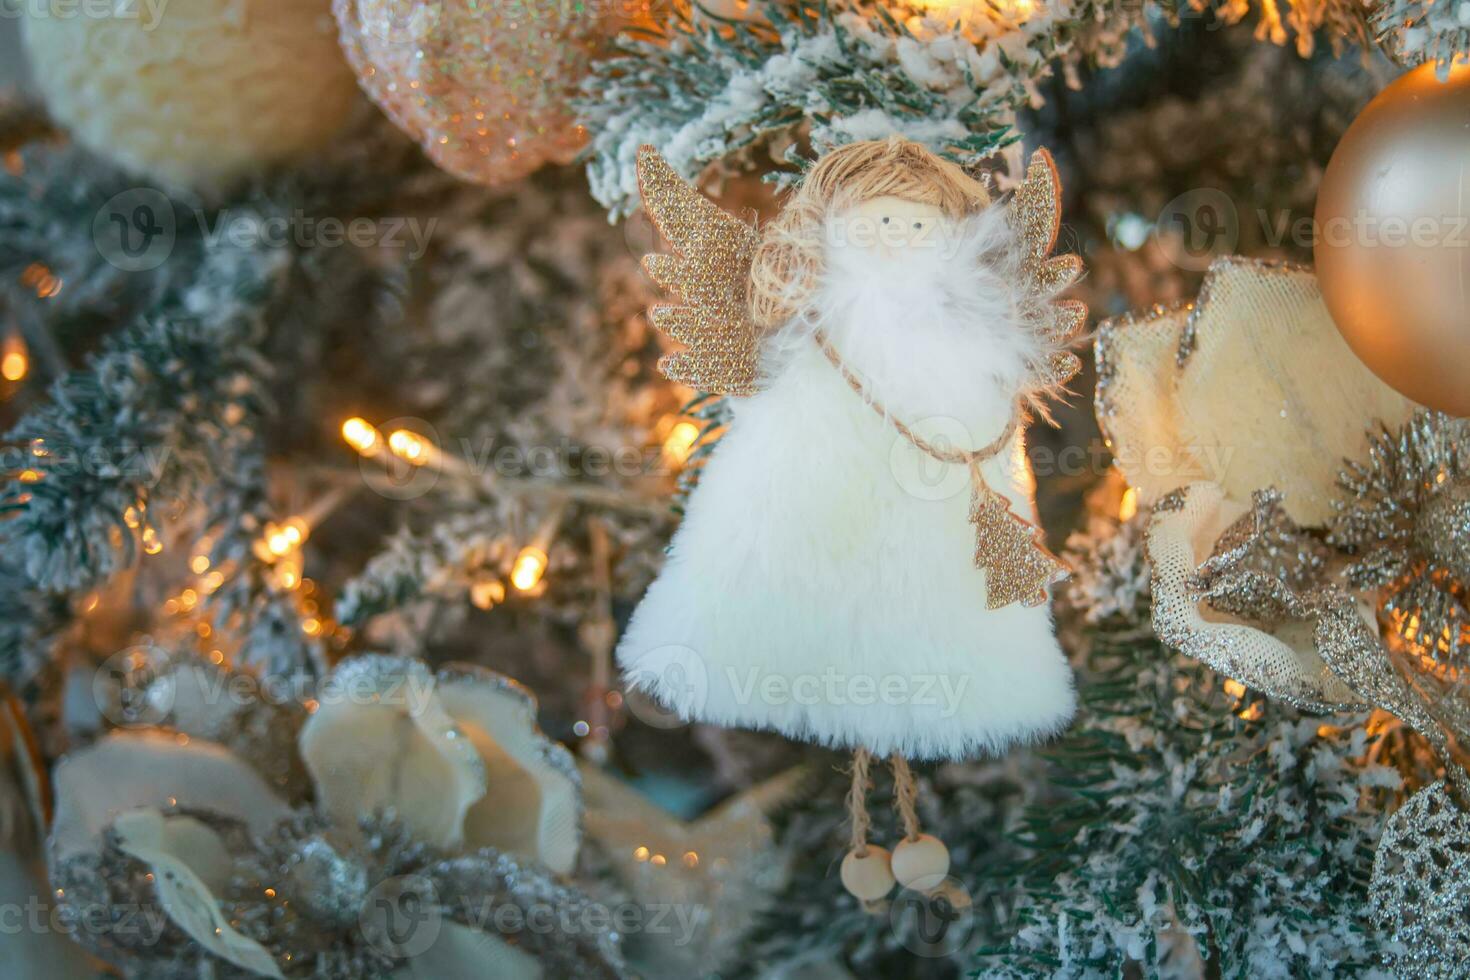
(887, 335)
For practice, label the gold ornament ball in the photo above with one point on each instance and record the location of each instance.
(1393, 237)
(867, 876)
(192, 93)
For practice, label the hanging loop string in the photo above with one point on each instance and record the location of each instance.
(961, 457)
(905, 796)
(857, 801)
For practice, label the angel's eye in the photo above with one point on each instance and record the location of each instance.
(918, 224)
(885, 221)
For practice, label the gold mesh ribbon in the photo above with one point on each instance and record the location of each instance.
(1008, 548)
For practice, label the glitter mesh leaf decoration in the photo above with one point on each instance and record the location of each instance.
(179, 852)
(1420, 890)
(711, 273)
(1404, 516)
(1283, 660)
(1251, 387)
(737, 835)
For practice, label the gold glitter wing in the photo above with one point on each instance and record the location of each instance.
(1036, 215)
(1018, 567)
(711, 273)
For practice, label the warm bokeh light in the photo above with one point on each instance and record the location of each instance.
(15, 363)
(361, 435)
(486, 592)
(680, 442)
(1128, 506)
(529, 567)
(974, 14)
(409, 447)
(282, 540)
(286, 573)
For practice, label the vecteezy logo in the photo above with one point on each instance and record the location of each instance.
(400, 917)
(1198, 227)
(134, 688)
(667, 686)
(135, 231)
(933, 917)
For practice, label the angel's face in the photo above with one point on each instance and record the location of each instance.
(892, 226)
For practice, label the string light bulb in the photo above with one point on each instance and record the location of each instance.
(485, 592)
(409, 447)
(15, 362)
(286, 573)
(679, 444)
(42, 280)
(361, 435)
(531, 563)
(280, 540)
(1128, 506)
(529, 566)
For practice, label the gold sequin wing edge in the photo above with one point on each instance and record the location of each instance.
(710, 272)
(1036, 217)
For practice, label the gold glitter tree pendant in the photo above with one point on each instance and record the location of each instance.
(1017, 566)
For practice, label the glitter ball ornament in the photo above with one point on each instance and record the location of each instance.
(483, 86)
(193, 93)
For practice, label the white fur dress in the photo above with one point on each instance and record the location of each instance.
(822, 583)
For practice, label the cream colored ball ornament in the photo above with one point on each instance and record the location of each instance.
(194, 93)
(921, 862)
(866, 873)
(1393, 237)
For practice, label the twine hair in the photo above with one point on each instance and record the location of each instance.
(788, 263)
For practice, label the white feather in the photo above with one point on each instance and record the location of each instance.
(822, 583)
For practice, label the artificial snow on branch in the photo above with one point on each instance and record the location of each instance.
(704, 93)
(1418, 31)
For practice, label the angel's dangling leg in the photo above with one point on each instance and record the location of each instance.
(865, 871)
(920, 860)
